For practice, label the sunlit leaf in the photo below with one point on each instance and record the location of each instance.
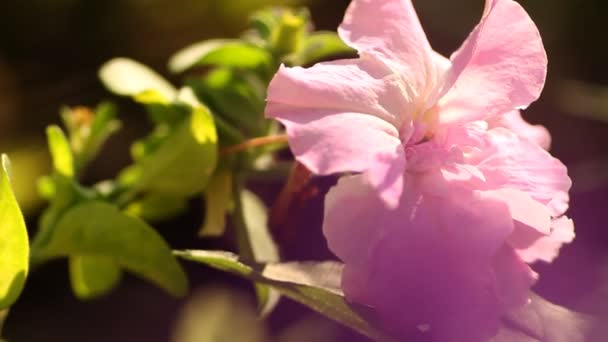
(63, 161)
(217, 314)
(185, 161)
(221, 52)
(316, 285)
(218, 198)
(14, 246)
(97, 229)
(127, 77)
(93, 276)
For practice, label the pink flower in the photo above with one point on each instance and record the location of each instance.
(447, 206)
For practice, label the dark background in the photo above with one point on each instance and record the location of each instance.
(49, 55)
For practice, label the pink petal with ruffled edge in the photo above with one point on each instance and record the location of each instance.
(500, 67)
(509, 161)
(513, 121)
(532, 246)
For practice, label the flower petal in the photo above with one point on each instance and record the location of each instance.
(500, 67)
(327, 142)
(429, 261)
(360, 86)
(511, 162)
(514, 122)
(531, 245)
(513, 278)
(399, 40)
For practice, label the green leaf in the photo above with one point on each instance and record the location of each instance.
(126, 77)
(93, 276)
(316, 285)
(255, 241)
(321, 45)
(156, 207)
(255, 219)
(218, 199)
(216, 315)
(98, 229)
(221, 52)
(63, 161)
(14, 247)
(89, 130)
(544, 321)
(184, 162)
(233, 97)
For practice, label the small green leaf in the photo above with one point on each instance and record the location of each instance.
(218, 198)
(233, 97)
(221, 52)
(290, 32)
(316, 285)
(14, 246)
(184, 162)
(63, 161)
(156, 207)
(321, 45)
(92, 276)
(126, 77)
(98, 229)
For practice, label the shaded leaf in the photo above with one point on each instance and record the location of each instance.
(98, 229)
(218, 199)
(126, 77)
(14, 247)
(315, 285)
(155, 207)
(255, 241)
(233, 97)
(221, 52)
(92, 276)
(544, 321)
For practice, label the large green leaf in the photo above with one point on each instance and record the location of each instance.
(98, 229)
(544, 321)
(14, 247)
(221, 52)
(126, 77)
(184, 162)
(315, 285)
(93, 276)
